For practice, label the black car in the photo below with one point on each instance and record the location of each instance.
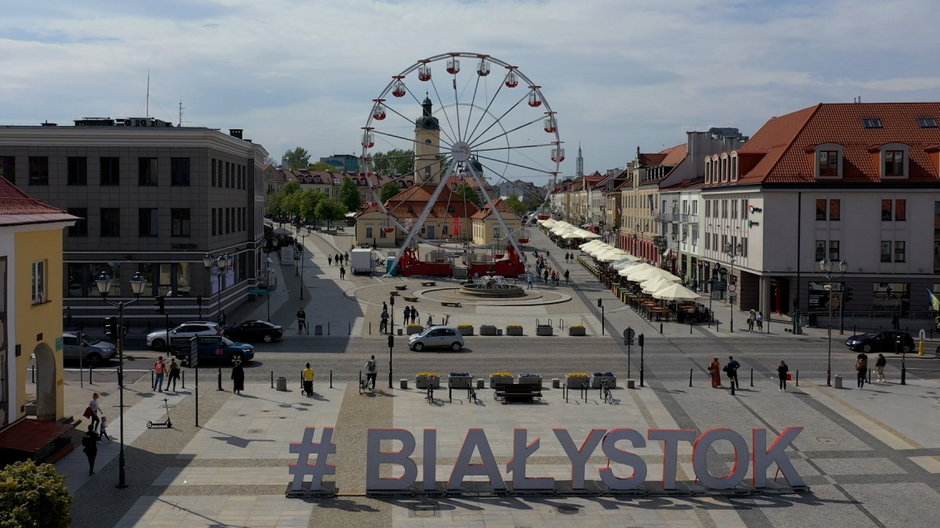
(881, 342)
(255, 331)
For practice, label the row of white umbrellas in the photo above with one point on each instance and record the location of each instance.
(655, 281)
(567, 231)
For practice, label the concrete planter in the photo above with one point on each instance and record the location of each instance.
(459, 382)
(533, 379)
(487, 330)
(579, 382)
(577, 331)
(543, 330)
(596, 381)
(495, 381)
(465, 330)
(514, 330)
(423, 382)
(415, 329)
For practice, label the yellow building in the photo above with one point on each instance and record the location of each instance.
(487, 229)
(30, 303)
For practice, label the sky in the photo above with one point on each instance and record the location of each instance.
(619, 74)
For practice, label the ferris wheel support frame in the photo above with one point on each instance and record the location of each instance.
(416, 228)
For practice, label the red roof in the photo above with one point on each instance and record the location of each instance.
(18, 208)
(410, 203)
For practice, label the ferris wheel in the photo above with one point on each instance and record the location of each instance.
(464, 116)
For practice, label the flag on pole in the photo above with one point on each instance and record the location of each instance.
(934, 301)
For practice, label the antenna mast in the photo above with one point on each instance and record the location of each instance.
(181, 114)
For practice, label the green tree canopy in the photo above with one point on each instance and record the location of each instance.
(349, 195)
(307, 203)
(517, 205)
(470, 193)
(33, 496)
(388, 190)
(296, 158)
(330, 210)
(290, 187)
(323, 166)
(395, 161)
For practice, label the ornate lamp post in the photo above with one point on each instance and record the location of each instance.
(732, 252)
(103, 283)
(221, 262)
(825, 266)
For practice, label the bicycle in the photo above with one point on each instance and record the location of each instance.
(302, 327)
(430, 394)
(365, 385)
(606, 395)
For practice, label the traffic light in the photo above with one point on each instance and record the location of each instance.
(161, 304)
(111, 327)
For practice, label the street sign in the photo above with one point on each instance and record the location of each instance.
(732, 288)
(194, 352)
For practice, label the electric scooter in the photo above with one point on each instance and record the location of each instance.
(168, 424)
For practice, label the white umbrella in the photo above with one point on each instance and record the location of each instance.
(588, 245)
(624, 262)
(634, 269)
(610, 256)
(652, 273)
(676, 292)
(589, 234)
(655, 284)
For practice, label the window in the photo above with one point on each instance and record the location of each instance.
(496, 233)
(214, 172)
(894, 162)
(885, 251)
(899, 250)
(147, 171)
(828, 162)
(820, 250)
(871, 122)
(900, 210)
(927, 122)
(179, 171)
(8, 168)
(215, 224)
(77, 170)
(835, 210)
(80, 229)
(708, 208)
(369, 232)
(39, 282)
(38, 170)
(147, 222)
(179, 223)
(820, 209)
(834, 250)
(110, 222)
(734, 209)
(886, 210)
(744, 209)
(724, 208)
(110, 171)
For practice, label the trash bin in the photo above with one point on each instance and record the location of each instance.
(282, 383)
(812, 320)
(318, 329)
(837, 382)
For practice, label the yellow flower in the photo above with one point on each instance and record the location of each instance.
(427, 374)
(577, 326)
(501, 374)
(465, 326)
(578, 375)
(514, 326)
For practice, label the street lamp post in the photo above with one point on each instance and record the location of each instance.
(222, 262)
(302, 237)
(600, 304)
(732, 252)
(103, 283)
(825, 266)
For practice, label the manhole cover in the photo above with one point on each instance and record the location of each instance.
(824, 440)
(568, 509)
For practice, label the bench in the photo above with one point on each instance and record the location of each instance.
(452, 304)
(401, 287)
(394, 293)
(521, 392)
(429, 283)
(410, 299)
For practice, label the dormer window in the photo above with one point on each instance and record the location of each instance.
(828, 161)
(871, 122)
(894, 160)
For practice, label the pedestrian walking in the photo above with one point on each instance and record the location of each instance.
(302, 321)
(93, 411)
(307, 377)
(567, 275)
(238, 378)
(346, 257)
(731, 369)
(545, 275)
(861, 369)
(407, 314)
(783, 371)
(159, 369)
(528, 280)
(329, 260)
(429, 321)
(383, 322)
(751, 315)
(714, 369)
(174, 374)
(880, 365)
(760, 322)
(104, 428)
(371, 372)
(90, 447)
(414, 315)
(342, 272)
(336, 260)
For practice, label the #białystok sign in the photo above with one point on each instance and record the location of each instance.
(759, 456)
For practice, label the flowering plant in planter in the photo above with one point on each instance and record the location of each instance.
(514, 329)
(428, 379)
(528, 377)
(599, 378)
(577, 330)
(414, 329)
(465, 329)
(577, 380)
(500, 378)
(459, 380)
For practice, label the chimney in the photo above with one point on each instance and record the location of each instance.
(235, 132)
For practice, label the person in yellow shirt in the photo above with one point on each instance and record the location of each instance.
(307, 377)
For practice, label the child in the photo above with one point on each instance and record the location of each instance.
(103, 429)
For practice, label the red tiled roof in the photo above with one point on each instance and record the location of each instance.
(675, 155)
(416, 198)
(13, 201)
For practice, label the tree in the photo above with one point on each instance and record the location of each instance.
(517, 205)
(395, 161)
(470, 193)
(349, 195)
(33, 496)
(307, 203)
(323, 166)
(331, 211)
(298, 158)
(388, 190)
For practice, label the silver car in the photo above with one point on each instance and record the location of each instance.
(158, 339)
(437, 337)
(90, 350)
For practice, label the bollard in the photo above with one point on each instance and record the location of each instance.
(732, 387)
(272, 379)
(220, 380)
(752, 377)
(797, 380)
(331, 378)
(328, 328)
(717, 326)
(152, 379)
(183, 378)
(90, 381)
(370, 327)
(564, 391)
(33, 370)
(690, 326)
(690, 377)
(348, 328)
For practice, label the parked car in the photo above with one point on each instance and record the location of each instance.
(158, 339)
(213, 349)
(881, 342)
(255, 331)
(437, 337)
(91, 350)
